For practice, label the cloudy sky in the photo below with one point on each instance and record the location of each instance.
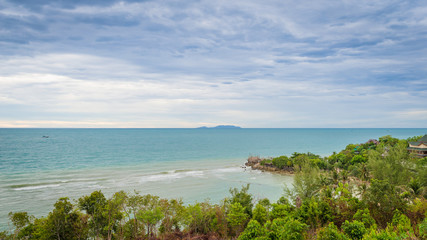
(284, 63)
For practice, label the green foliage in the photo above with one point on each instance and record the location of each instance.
(392, 164)
(5, 236)
(242, 197)
(354, 229)
(315, 213)
(422, 228)
(292, 230)
(280, 210)
(365, 217)
(260, 214)
(237, 218)
(266, 162)
(95, 206)
(388, 140)
(421, 167)
(198, 218)
(114, 212)
(383, 199)
(63, 222)
(306, 183)
(252, 231)
(173, 211)
(129, 232)
(358, 159)
(400, 224)
(19, 219)
(330, 232)
(281, 162)
(380, 235)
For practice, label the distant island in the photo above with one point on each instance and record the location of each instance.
(221, 126)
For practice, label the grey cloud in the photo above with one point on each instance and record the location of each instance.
(191, 55)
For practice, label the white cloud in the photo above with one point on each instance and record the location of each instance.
(271, 63)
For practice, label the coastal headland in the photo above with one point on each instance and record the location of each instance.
(266, 165)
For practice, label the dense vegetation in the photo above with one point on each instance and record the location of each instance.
(375, 190)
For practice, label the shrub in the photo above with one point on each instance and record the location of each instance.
(380, 235)
(422, 227)
(400, 224)
(358, 159)
(280, 162)
(237, 218)
(354, 229)
(260, 214)
(330, 232)
(252, 231)
(365, 217)
(292, 230)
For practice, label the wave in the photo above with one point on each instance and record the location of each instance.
(228, 170)
(183, 173)
(25, 187)
(171, 175)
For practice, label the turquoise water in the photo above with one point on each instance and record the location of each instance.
(195, 164)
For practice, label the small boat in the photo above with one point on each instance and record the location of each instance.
(45, 137)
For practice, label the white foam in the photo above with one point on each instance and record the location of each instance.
(171, 175)
(37, 187)
(228, 170)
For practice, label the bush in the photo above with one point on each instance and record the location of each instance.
(292, 230)
(354, 229)
(330, 232)
(422, 228)
(280, 211)
(237, 218)
(253, 230)
(380, 235)
(286, 228)
(260, 214)
(400, 224)
(365, 217)
(242, 197)
(315, 212)
(358, 159)
(280, 162)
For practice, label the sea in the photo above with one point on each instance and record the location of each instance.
(39, 166)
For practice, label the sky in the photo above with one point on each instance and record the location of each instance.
(255, 64)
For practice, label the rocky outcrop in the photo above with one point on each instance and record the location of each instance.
(257, 163)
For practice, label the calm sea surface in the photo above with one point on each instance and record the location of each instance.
(194, 164)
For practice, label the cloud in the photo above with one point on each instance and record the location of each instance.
(275, 63)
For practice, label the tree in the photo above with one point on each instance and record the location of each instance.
(358, 159)
(330, 232)
(242, 197)
(95, 205)
(19, 220)
(150, 216)
(280, 162)
(391, 164)
(292, 230)
(260, 214)
(252, 231)
(423, 229)
(63, 222)
(382, 199)
(306, 183)
(114, 212)
(355, 229)
(237, 218)
(365, 217)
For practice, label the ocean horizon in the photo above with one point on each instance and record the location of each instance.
(40, 165)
